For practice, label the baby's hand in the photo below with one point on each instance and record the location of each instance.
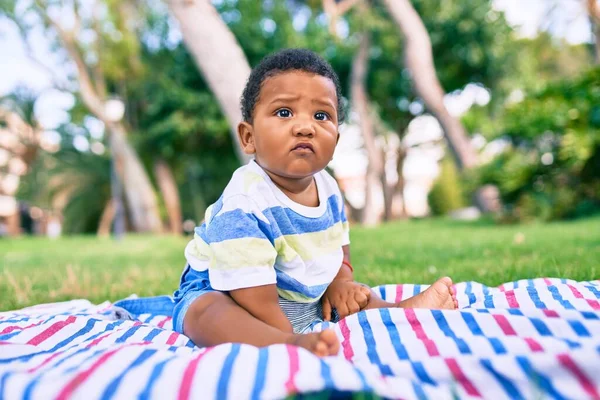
(347, 297)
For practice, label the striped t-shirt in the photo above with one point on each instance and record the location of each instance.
(255, 235)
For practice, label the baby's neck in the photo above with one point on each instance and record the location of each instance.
(303, 190)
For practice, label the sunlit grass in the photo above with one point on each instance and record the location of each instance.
(37, 270)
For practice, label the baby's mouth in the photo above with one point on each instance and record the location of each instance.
(304, 147)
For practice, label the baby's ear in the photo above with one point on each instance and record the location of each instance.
(246, 136)
(338, 138)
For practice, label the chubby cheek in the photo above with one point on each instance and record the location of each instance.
(331, 139)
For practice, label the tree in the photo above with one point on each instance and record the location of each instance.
(360, 101)
(93, 68)
(477, 48)
(218, 56)
(419, 60)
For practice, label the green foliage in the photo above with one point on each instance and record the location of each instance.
(174, 116)
(447, 192)
(551, 170)
(543, 59)
(85, 179)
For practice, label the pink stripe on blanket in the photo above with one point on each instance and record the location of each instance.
(416, 326)
(533, 344)
(399, 289)
(511, 299)
(188, 375)
(12, 328)
(290, 386)
(99, 339)
(459, 375)
(346, 345)
(593, 303)
(51, 331)
(172, 338)
(585, 382)
(164, 321)
(550, 313)
(505, 325)
(46, 361)
(82, 376)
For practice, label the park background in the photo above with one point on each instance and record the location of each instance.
(472, 146)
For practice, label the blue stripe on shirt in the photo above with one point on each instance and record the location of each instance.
(286, 282)
(236, 224)
(286, 221)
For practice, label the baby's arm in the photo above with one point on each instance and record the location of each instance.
(343, 294)
(263, 303)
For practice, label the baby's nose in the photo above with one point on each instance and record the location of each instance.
(303, 129)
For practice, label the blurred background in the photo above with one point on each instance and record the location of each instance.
(117, 120)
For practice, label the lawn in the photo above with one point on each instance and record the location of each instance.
(36, 270)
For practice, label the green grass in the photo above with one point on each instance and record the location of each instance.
(36, 270)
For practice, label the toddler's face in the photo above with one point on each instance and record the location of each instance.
(295, 124)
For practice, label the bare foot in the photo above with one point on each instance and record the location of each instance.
(322, 344)
(440, 295)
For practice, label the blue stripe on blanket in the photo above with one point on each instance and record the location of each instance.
(421, 373)
(261, 373)
(223, 384)
(153, 378)
(112, 387)
(443, 324)
(507, 385)
(371, 345)
(533, 293)
(538, 379)
(393, 333)
(476, 330)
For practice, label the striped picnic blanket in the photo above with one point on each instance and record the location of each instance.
(527, 339)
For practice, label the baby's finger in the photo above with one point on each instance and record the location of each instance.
(361, 299)
(342, 310)
(326, 309)
(353, 307)
(366, 291)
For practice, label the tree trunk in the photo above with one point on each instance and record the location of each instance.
(419, 60)
(597, 35)
(170, 194)
(360, 102)
(596, 31)
(106, 220)
(401, 184)
(594, 13)
(139, 193)
(136, 184)
(218, 56)
(388, 191)
(13, 224)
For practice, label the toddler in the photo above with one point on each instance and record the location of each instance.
(273, 253)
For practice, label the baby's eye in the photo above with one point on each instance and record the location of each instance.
(283, 113)
(321, 116)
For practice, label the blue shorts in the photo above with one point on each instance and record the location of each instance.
(194, 284)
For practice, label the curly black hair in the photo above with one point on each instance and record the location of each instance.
(287, 60)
